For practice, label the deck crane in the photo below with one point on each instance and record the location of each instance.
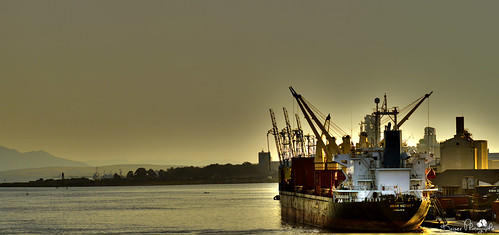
(289, 133)
(331, 147)
(393, 114)
(275, 132)
(412, 110)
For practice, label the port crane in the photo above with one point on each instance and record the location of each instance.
(275, 131)
(290, 142)
(299, 141)
(288, 135)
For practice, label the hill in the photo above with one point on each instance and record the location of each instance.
(11, 159)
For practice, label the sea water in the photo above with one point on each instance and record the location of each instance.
(172, 209)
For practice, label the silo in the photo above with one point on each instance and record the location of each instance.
(481, 154)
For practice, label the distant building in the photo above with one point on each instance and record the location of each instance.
(462, 152)
(481, 155)
(264, 160)
(493, 160)
(429, 144)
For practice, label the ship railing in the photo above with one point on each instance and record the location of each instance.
(366, 177)
(390, 188)
(360, 188)
(347, 196)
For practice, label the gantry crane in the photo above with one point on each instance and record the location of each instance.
(300, 142)
(288, 135)
(275, 131)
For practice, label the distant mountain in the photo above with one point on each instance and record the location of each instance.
(11, 159)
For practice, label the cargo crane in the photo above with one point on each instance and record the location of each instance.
(330, 148)
(288, 136)
(304, 143)
(275, 131)
(299, 141)
(392, 114)
(310, 145)
(413, 109)
(298, 123)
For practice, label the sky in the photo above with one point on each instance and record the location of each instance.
(192, 82)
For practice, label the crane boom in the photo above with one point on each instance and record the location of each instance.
(413, 109)
(306, 112)
(275, 132)
(302, 104)
(298, 123)
(289, 131)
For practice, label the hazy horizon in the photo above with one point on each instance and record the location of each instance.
(192, 81)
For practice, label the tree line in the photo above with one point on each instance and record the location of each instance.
(213, 172)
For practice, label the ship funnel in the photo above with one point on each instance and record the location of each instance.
(391, 158)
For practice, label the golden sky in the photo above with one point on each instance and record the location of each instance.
(191, 82)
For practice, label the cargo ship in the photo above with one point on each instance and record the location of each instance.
(373, 186)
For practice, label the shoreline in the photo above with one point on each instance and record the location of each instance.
(84, 182)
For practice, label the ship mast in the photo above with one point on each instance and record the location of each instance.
(378, 114)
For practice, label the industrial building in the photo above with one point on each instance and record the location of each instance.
(493, 160)
(429, 144)
(463, 181)
(462, 152)
(265, 162)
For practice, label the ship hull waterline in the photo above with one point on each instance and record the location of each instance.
(382, 216)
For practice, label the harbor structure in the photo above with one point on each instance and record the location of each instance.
(462, 151)
(264, 160)
(429, 144)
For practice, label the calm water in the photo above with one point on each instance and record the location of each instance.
(230, 209)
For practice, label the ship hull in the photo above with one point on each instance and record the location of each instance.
(375, 216)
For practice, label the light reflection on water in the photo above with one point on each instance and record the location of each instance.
(230, 209)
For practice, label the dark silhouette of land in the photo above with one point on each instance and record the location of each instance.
(212, 174)
(12, 159)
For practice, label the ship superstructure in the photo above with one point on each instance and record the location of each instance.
(371, 186)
